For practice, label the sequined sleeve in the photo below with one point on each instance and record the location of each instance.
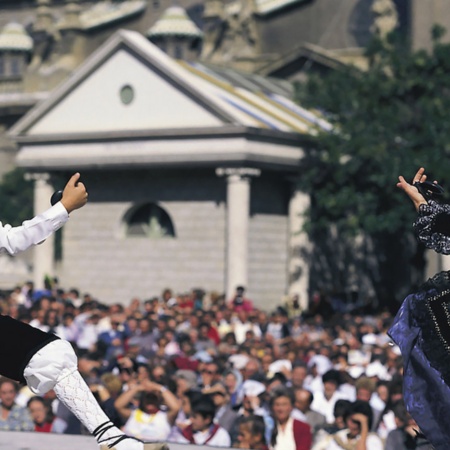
(432, 226)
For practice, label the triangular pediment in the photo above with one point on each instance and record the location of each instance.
(128, 84)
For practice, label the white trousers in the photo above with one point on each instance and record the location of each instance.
(49, 365)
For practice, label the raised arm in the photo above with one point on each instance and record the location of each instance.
(432, 225)
(17, 239)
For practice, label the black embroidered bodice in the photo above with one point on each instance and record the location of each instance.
(431, 305)
(432, 226)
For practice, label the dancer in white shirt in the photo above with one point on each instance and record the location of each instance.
(40, 359)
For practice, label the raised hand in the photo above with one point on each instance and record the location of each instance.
(74, 195)
(411, 191)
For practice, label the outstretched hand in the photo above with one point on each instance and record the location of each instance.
(74, 195)
(411, 191)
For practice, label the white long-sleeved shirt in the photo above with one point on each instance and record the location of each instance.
(14, 240)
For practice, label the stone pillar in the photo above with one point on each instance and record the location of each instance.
(238, 212)
(43, 254)
(299, 248)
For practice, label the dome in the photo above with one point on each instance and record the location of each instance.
(13, 37)
(174, 22)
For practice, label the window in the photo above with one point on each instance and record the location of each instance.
(148, 220)
(178, 51)
(16, 65)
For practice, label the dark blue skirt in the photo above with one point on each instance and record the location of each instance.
(421, 329)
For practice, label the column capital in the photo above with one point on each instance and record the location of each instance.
(238, 172)
(37, 176)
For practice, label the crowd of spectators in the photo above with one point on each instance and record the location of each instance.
(199, 368)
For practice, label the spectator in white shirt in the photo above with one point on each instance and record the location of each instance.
(325, 400)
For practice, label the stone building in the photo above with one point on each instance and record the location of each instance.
(191, 173)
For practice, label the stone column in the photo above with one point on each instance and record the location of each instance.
(238, 212)
(43, 254)
(299, 248)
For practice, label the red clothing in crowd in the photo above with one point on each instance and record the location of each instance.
(44, 428)
(213, 334)
(302, 435)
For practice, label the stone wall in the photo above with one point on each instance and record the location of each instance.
(99, 256)
(114, 268)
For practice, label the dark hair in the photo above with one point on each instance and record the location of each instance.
(361, 407)
(48, 410)
(148, 398)
(282, 391)
(204, 406)
(400, 411)
(332, 375)
(256, 425)
(278, 376)
(341, 407)
(194, 395)
(4, 380)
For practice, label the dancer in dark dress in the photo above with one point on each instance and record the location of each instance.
(421, 327)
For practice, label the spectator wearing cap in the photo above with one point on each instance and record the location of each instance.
(203, 430)
(252, 404)
(275, 382)
(148, 422)
(225, 415)
(325, 399)
(303, 401)
(288, 433)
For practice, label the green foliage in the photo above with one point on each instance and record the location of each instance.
(388, 121)
(16, 198)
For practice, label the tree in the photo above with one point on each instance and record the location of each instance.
(388, 121)
(16, 197)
